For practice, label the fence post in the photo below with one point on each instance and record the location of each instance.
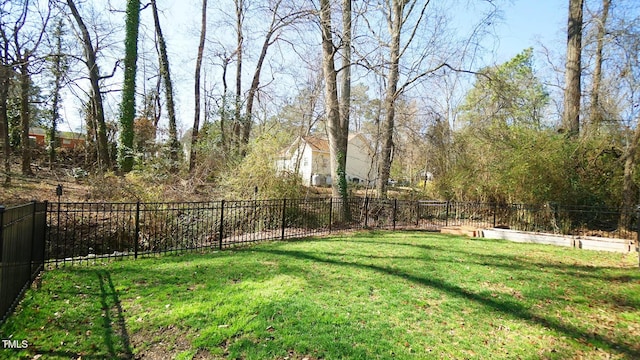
(366, 212)
(221, 229)
(495, 213)
(64, 249)
(284, 217)
(330, 213)
(34, 203)
(46, 235)
(417, 214)
(446, 217)
(395, 211)
(137, 237)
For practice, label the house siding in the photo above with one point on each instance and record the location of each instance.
(359, 161)
(315, 160)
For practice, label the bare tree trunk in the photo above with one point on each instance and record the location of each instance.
(253, 90)
(92, 135)
(104, 160)
(5, 71)
(174, 145)
(224, 139)
(345, 104)
(277, 22)
(196, 118)
(237, 125)
(573, 68)
(337, 152)
(384, 163)
(596, 108)
(345, 76)
(25, 118)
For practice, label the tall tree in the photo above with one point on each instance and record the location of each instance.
(165, 73)
(345, 91)
(398, 14)
(25, 114)
(573, 72)
(338, 132)
(96, 104)
(6, 73)
(396, 21)
(416, 35)
(196, 118)
(237, 123)
(595, 110)
(27, 37)
(278, 22)
(128, 104)
(58, 67)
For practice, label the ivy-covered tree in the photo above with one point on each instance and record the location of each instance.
(58, 65)
(128, 105)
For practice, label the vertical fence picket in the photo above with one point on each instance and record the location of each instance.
(446, 216)
(45, 232)
(136, 239)
(330, 213)
(221, 229)
(395, 212)
(366, 212)
(495, 213)
(284, 218)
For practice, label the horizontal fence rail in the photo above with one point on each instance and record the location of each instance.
(22, 243)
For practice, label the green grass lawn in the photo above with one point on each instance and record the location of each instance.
(364, 296)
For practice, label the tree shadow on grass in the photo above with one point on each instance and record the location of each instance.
(113, 321)
(108, 317)
(511, 262)
(511, 308)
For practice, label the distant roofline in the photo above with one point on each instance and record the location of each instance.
(61, 134)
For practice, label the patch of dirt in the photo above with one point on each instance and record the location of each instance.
(163, 343)
(41, 187)
(203, 355)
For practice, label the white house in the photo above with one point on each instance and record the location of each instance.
(309, 157)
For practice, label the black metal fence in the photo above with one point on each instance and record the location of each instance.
(22, 243)
(546, 218)
(79, 232)
(60, 233)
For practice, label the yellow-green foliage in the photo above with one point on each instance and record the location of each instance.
(134, 186)
(519, 164)
(258, 169)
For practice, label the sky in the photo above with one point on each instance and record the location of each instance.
(524, 23)
(530, 22)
